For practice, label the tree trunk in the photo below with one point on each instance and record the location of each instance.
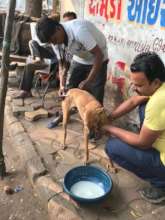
(55, 6)
(4, 76)
(33, 8)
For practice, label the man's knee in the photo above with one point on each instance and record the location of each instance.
(112, 147)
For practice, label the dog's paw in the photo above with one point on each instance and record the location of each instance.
(112, 169)
(63, 146)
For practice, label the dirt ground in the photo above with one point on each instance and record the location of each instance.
(23, 205)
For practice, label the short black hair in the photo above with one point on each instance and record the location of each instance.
(70, 14)
(150, 64)
(45, 28)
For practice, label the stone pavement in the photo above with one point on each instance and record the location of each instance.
(46, 164)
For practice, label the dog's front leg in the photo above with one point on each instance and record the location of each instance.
(65, 110)
(86, 135)
(111, 167)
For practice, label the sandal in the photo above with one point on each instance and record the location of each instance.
(55, 122)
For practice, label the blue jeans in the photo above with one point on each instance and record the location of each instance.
(146, 164)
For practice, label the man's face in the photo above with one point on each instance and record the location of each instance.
(57, 37)
(142, 85)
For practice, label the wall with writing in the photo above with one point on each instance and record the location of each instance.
(130, 26)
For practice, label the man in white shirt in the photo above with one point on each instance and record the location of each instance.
(88, 68)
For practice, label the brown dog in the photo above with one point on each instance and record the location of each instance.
(91, 112)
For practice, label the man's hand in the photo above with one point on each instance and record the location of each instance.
(110, 118)
(105, 130)
(61, 91)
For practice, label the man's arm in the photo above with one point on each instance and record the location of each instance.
(144, 140)
(58, 50)
(128, 105)
(62, 76)
(98, 59)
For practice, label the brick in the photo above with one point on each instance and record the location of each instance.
(18, 110)
(18, 102)
(29, 101)
(35, 115)
(36, 105)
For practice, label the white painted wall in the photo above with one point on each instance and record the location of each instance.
(130, 28)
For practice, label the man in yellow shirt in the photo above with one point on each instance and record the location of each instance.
(143, 153)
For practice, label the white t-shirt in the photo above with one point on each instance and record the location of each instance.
(83, 36)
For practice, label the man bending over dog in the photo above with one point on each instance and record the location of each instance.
(143, 153)
(88, 68)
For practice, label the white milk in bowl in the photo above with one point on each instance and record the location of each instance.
(87, 190)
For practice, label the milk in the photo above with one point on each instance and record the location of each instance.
(87, 189)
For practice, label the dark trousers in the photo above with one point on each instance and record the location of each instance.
(28, 75)
(41, 51)
(144, 163)
(37, 51)
(79, 72)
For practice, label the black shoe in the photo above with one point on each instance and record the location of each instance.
(56, 121)
(153, 195)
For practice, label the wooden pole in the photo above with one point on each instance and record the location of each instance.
(55, 6)
(4, 76)
(33, 8)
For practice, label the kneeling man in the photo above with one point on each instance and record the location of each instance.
(143, 153)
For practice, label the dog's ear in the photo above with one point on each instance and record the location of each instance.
(102, 115)
(99, 110)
